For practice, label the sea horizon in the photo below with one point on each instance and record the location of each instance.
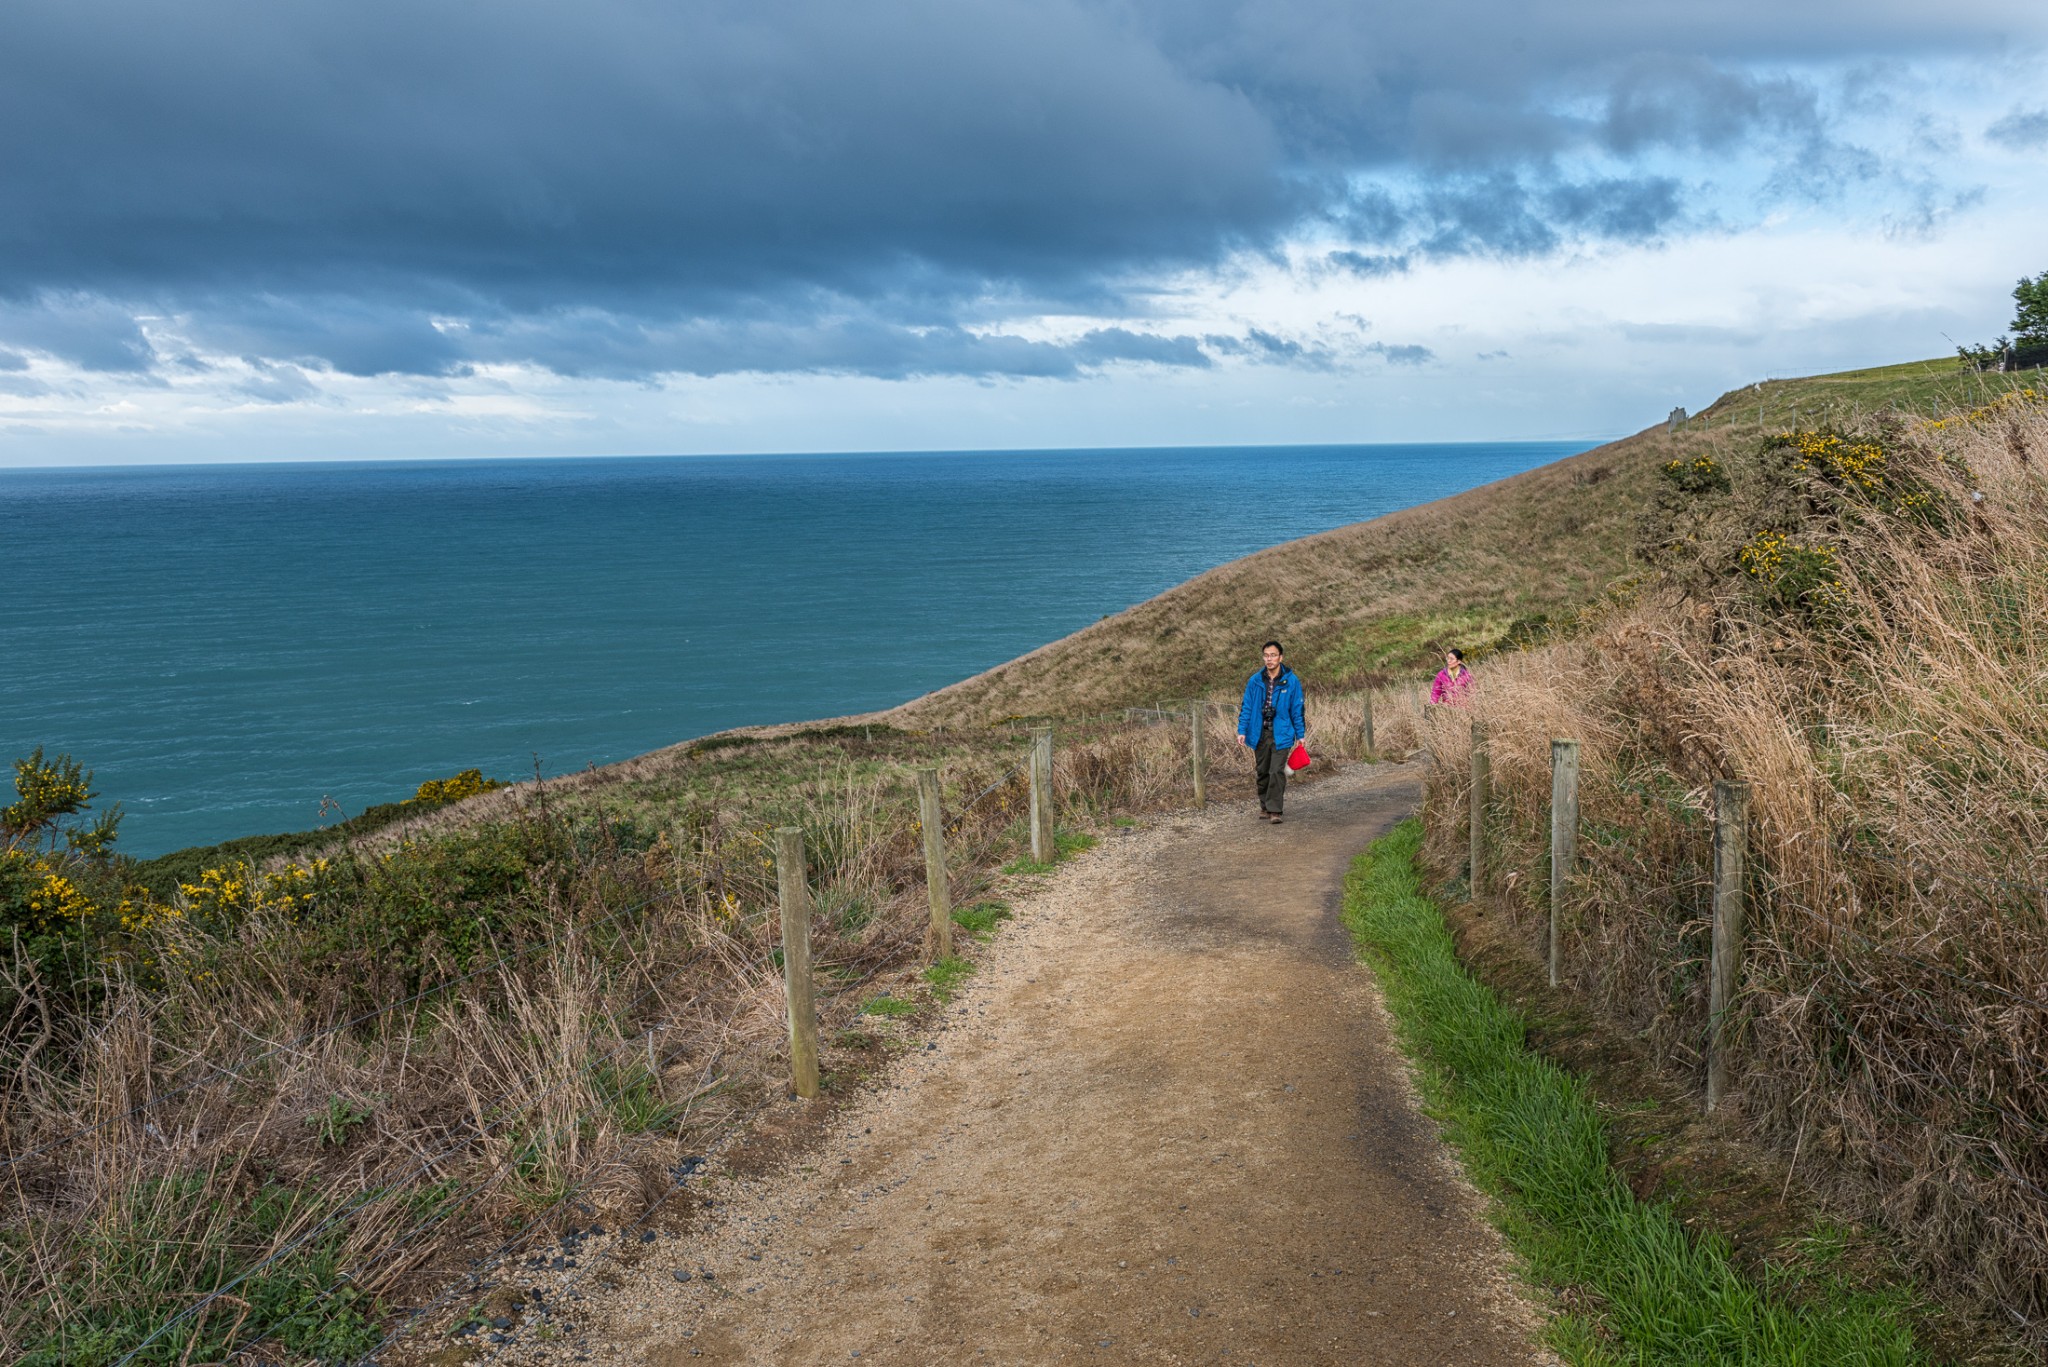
(247, 647)
(298, 463)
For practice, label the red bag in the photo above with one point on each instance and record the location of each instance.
(1297, 758)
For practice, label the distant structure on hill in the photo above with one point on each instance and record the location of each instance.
(2022, 358)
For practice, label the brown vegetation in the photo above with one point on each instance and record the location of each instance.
(350, 1129)
(1502, 565)
(1853, 623)
(526, 1009)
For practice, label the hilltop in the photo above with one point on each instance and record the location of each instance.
(1495, 565)
(525, 1009)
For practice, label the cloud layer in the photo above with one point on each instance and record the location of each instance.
(627, 189)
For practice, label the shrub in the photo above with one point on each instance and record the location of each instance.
(439, 792)
(1858, 629)
(1700, 475)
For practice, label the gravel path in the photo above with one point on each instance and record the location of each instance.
(1164, 1124)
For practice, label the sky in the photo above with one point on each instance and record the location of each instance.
(246, 230)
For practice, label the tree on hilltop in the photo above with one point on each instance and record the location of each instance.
(2029, 326)
(2030, 317)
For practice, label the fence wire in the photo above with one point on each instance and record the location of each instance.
(474, 1134)
(218, 1074)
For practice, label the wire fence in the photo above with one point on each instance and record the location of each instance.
(490, 1118)
(959, 819)
(1884, 1036)
(620, 1237)
(1009, 776)
(217, 1074)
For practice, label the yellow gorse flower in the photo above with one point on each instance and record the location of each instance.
(468, 783)
(2012, 402)
(1765, 560)
(1859, 463)
(53, 900)
(238, 890)
(57, 899)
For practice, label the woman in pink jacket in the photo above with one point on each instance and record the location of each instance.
(1453, 681)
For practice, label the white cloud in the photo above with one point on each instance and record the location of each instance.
(1598, 337)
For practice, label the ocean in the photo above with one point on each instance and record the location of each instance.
(237, 649)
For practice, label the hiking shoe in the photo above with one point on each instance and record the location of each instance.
(1276, 818)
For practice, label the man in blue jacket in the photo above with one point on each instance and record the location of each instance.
(1270, 722)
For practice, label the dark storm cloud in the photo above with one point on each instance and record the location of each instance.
(1368, 265)
(627, 188)
(1659, 101)
(1624, 210)
(84, 329)
(371, 335)
(2023, 130)
(600, 344)
(1270, 348)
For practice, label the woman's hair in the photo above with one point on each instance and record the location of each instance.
(1456, 653)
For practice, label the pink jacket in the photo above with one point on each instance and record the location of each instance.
(1449, 689)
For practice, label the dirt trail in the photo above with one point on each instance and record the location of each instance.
(1165, 1124)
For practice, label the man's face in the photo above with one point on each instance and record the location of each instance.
(1272, 658)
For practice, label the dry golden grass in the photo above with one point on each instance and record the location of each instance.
(1371, 603)
(648, 1023)
(1894, 731)
(233, 1110)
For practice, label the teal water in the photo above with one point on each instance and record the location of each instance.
(230, 646)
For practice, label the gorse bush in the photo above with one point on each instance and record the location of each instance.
(65, 903)
(453, 1026)
(1856, 625)
(164, 874)
(439, 792)
(1700, 475)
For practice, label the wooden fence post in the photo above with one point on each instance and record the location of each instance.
(1371, 750)
(1564, 839)
(1731, 851)
(1198, 723)
(794, 885)
(1482, 798)
(938, 937)
(1043, 847)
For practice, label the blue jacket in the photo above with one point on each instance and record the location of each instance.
(1290, 722)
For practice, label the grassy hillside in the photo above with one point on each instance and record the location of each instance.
(1381, 598)
(1852, 625)
(313, 1083)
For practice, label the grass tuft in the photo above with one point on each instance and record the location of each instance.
(946, 975)
(1643, 1289)
(1066, 844)
(981, 919)
(338, 1119)
(632, 1093)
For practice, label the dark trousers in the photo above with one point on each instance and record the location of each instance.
(1271, 766)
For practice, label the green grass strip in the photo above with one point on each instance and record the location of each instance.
(1530, 1135)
